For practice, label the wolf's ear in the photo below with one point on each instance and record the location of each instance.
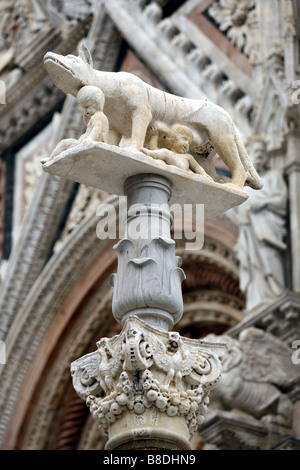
(85, 55)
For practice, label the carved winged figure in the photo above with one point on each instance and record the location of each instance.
(257, 376)
(180, 360)
(110, 364)
(131, 106)
(85, 375)
(93, 373)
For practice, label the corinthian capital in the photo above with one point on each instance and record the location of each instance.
(145, 377)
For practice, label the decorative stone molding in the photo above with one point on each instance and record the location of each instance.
(65, 15)
(289, 443)
(20, 25)
(280, 318)
(34, 95)
(238, 431)
(152, 376)
(25, 266)
(44, 420)
(210, 275)
(28, 172)
(209, 310)
(290, 19)
(161, 265)
(86, 202)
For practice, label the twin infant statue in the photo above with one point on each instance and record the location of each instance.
(169, 144)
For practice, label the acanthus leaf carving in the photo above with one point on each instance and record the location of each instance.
(163, 287)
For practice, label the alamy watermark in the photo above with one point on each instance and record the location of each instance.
(146, 222)
(296, 354)
(2, 352)
(296, 93)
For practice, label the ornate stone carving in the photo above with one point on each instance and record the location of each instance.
(290, 19)
(279, 318)
(238, 431)
(233, 17)
(86, 202)
(41, 227)
(40, 232)
(35, 95)
(258, 377)
(140, 105)
(83, 249)
(144, 370)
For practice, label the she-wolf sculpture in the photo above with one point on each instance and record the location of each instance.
(132, 105)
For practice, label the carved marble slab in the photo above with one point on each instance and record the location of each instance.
(107, 167)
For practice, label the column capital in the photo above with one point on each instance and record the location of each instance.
(144, 382)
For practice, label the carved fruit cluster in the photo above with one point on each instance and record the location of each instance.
(137, 396)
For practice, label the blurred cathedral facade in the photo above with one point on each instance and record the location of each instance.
(55, 292)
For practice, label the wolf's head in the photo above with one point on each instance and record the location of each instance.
(70, 72)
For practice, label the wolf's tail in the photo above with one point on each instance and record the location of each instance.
(253, 180)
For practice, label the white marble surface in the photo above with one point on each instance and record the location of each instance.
(107, 167)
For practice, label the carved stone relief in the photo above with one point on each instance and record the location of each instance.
(141, 109)
(143, 370)
(258, 377)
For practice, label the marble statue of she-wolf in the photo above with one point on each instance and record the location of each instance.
(131, 105)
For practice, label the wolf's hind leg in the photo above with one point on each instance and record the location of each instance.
(141, 119)
(114, 136)
(223, 139)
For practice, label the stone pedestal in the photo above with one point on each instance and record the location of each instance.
(147, 387)
(148, 282)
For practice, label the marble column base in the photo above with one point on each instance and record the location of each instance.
(151, 430)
